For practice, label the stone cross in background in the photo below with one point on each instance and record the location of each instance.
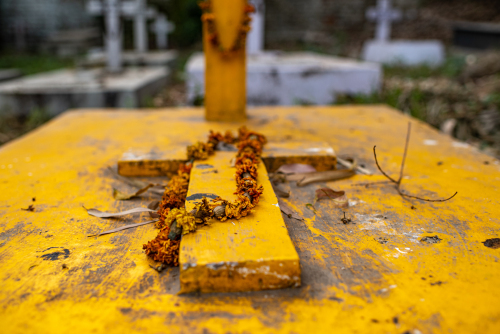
(403, 52)
(113, 39)
(140, 33)
(384, 15)
(138, 10)
(255, 38)
(112, 10)
(162, 27)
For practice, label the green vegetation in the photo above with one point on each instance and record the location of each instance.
(185, 14)
(452, 68)
(12, 126)
(412, 100)
(32, 64)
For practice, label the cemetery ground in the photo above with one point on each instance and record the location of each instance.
(461, 98)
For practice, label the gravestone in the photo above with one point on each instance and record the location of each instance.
(58, 91)
(255, 39)
(277, 78)
(476, 35)
(140, 56)
(9, 74)
(405, 52)
(161, 28)
(111, 9)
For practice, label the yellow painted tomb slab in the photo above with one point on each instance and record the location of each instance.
(253, 253)
(161, 162)
(371, 276)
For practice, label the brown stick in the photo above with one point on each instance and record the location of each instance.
(399, 181)
(404, 154)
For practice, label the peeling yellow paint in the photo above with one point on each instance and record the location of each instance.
(351, 282)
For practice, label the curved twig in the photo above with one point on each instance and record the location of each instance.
(380, 168)
(398, 182)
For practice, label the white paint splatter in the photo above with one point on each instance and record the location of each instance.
(459, 144)
(430, 142)
(400, 251)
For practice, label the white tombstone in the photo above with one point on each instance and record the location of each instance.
(162, 27)
(384, 15)
(113, 38)
(113, 9)
(405, 52)
(140, 13)
(255, 37)
(275, 78)
(140, 33)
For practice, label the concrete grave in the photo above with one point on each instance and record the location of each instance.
(383, 50)
(476, 35)
(255, 38)
(60, 90)
(97, 57)
(114, 56)
(9, 74)
(275, 78)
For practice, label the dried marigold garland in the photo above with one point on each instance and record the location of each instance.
(174, 220)
(213, 36)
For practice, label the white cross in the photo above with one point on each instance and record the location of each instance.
(255, 38)
(112, 9)
(140, 13)
(113, 38)
(162, 27)
(383, 14)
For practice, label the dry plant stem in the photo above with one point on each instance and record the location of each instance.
(398, 182)
(347, 164)
(380, 169)
(368, 183)
(123, 228)
(404, 154)
(330, 175)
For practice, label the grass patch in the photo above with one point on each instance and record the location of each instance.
(452, 68)
(32, 64)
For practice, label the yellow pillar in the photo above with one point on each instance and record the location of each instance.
(224, 34)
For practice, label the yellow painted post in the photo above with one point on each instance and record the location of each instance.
(225, 60)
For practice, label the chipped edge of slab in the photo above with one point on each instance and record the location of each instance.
(240, 276)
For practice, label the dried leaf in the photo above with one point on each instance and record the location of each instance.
(154, 206)
(327, 193)
(30, 208)
(281, 192)
(101, 214)
(296, 168)
(341, 202)
(287, 210)
(117, 194)
(122, 228)
(330, 175)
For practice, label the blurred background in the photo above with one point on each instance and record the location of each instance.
(460, 95)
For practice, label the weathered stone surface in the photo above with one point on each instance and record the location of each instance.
(61, 90)
(404, 52)
(294, 78)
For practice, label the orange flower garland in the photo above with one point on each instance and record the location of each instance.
(172, 215)
(209, 18)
